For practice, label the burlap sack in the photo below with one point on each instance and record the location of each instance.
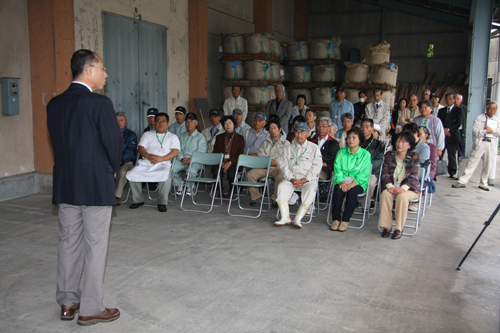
(356, 73)
(377, 54)
(322, 96)
(389, 97)
(258, 43)
(233, 43)
(261, 70)
(233, 70)
(300, 74)
(259, 95)
(297, 51)
(325, 73)
(352, 95)
(276, 47)
(325, 48)
(384, 74)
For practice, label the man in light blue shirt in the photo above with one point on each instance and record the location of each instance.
(255, 136)
(339, 107)
(179, 126)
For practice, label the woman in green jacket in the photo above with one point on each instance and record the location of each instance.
(351, 174)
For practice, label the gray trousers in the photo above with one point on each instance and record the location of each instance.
(83, 249)
(163, 190)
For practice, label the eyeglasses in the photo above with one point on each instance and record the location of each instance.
(103, 68)
(161, 121)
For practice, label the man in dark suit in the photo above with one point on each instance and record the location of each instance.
(88, 146)
(452, 118)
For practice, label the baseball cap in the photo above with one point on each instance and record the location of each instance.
(260, 115)
(152, 112)
(343, 89)
(214, 112)
(301, 126)
(239, 111)
(191, 116)
(180, 109)
(434, 95)
(377, 128)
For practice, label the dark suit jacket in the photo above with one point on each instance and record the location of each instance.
(284, 111)
(452, 121)
(87, 145)
(328, 152)
(237, 146)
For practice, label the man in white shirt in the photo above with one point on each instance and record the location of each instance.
(485, 132)
(255, 136)
(211, 132)
(241, 126)
(236, 102)
(179, 126)
(158, 148)
(379, 111)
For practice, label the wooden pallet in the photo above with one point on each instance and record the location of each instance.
(312, 62)
(249, 56)
(257, 108)
(319, 107)
(249, 83)
(452, 85)
(366, 86)
(311, 85)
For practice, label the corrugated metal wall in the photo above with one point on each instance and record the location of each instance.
(360, 24)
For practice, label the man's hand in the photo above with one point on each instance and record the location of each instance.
(298, 182)
(274, 163)
(407, 120)
(440, 152)
(447, 132)
(154, 159)
(186, 161)
(488, 130)
(225, 166)
(324, 164)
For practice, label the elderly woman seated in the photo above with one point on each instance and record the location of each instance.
(400, 182)
(352, 172)
(347, 122)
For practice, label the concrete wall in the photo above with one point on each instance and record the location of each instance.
(16, 132)
(283, 20)
(493, 66)
(173, 14)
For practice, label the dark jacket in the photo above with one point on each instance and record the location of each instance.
(88, 147)
(452, 121)
(328, 152)
(237, 146)
(129, 146)
(359, 111)
(412, 170)
(376, 148)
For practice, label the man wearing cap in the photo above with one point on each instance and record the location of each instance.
(191, 141)
(300, 165)
(311, 122)
(452, 118)
(273, 146)
(280, 106)
(255, 136)
(339, 107)
(152, 112)
(435, 104)
(485, 133)
(380, 112)
(241, 125)
(376, 131)
(158, 148)
(179, 126)
(236, 102)
(211, 132)
(129, 154)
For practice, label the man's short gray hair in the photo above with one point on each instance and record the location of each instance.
(327, 119)
(334, 127)
(346, 115)
(490, 103)
(122, 114)
(280, 85)
(377, 90)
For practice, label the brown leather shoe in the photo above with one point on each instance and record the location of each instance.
(68, 312)
(118, 202)
(106, 316)
(396, 234)
(386, 232)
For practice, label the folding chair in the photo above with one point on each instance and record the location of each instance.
(330, 191)
(420, 210)
(253, 162)
(207, 159)
(376, 197)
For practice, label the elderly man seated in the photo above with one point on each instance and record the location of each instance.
(272, 146)
(211, 132)
(158, 148)
(300, 165)
(129, 154)
(327, 145)
(191, 141)
(241, 126)
(255, 136)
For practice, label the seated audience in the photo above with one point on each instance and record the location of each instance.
(179, 126)
(211, 132)
(129, 154)
(327, 146)
(311, 122)
(300, 165)
(352, 172)
(255, 136)
(157, 148)
(347, 121)
(273, 146)
(376, 148)
(424, 134)
(241, 126)
(433, 123)
(300, 108)
(298, 119)
(232, 145)
(332, 132)
(400, 182)
(191, 141)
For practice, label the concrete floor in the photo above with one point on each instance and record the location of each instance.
(187, 272)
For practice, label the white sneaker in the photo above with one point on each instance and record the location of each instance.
(180, 188)
(293, 199)
(413, 206)
(189, 189)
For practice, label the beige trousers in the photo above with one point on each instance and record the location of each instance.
(402, 201)
(307, 194)
(255, 174)
(121, 178)
(486, 151)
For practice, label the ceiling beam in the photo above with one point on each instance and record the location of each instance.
(461, 3)
(427, 13)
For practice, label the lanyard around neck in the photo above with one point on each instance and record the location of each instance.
(161, 142)
(298, 157)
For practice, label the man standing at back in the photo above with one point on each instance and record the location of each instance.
(340, 106)
(280, 106)
(380, 112)
(87, 145)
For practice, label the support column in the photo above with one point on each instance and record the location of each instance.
(52, 42)
(300, 17)
(481, 17)
(263, 15)
(198, 52)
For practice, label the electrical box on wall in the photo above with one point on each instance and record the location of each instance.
(10, 96)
